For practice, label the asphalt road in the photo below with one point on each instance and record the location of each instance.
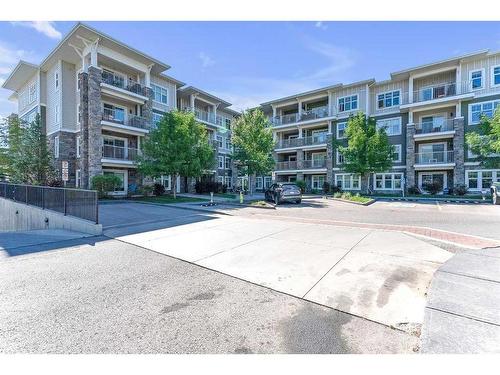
(98, 295)
(474, 219)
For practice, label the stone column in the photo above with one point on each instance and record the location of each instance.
(410, 155)
(300, 158)
(83, 162)
(147, 108)
(329, 159)
(94, 133)
(459, 152)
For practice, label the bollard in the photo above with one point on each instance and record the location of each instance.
(211, 198)
(241, 197)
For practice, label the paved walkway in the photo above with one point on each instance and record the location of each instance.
(463, 310)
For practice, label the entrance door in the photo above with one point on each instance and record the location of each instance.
(426, 178)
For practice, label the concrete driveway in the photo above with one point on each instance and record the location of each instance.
(378, 275)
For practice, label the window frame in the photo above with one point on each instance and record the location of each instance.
(471, 72)
(56, 80)
(56, 147)
(78, 178)
(317, 177)
(32, 97)
(351, 180)
(337, 129)
(227, 160)
(400, 120)
(492, 83)
(259, 183)
(351, 101)
(57, 117)
(339, 155)
(399, 147)
(154, 86)
(495, 176)
(392, 99)
(220, 162)
(470, 121)
(228, 180)
(78, 148)
(384, 176)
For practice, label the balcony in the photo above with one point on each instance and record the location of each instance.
(121, 83)
(312, 114)
(286, 165)
(117, 116)
(438, 128)
(120, 153)
(439, 92)
(314, 140)
(314, 164)
(427, 160)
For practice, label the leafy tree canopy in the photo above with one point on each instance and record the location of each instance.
(485, 143)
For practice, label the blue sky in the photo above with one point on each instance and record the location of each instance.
(250, 62)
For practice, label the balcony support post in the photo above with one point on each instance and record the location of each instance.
(410, 90)
(458, 88)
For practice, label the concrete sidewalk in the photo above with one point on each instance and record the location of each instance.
(463, 310)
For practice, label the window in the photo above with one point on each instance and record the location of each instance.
(78, 85)
(79, 114)
(32, 92)
(348, 103)
(341, 128)
(481, 179)
(387, 181)
(476, 79)
(228, 143)
(339, 157)
(495, 76)
(258, 183)
(317, 182)
(220, 142)
(221, 162)
(396, 156)
(388, 99)
(157, 117)
(227, 162)
(227, 123)
(78, 146)
(78, 178)
(267, 182)
(56, 114)
(159, 94)
(229, 182)
(56, 146)
(478, 109)
(348, 181)
(392, 126)
(166, 181)
(220, 179)
(56, 81)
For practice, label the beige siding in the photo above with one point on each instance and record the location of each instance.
(68, 86)
(485, 64)
(24, 103)
(435, 79)
(171, 93)
(360, 91)
(402, 86)
(53, 98)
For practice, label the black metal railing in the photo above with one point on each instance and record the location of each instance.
(72, 202)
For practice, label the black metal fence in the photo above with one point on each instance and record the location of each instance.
(71, 202)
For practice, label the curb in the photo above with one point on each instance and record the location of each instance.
(444, 200)
(371, 201)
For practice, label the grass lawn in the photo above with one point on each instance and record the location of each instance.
(437, 196)
(167, 199)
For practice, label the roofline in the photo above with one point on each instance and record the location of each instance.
(185, 88)
(176, 81)
(16, 68)
(301, 94)
(440, 62)
(106, 36)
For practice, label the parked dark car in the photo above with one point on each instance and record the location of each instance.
(281, 192)
(495, 193)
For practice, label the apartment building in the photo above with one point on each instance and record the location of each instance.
(98, 98)
(426, 111)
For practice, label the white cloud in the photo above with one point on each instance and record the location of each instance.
(320, 25)
(45, 27)
(206, 60)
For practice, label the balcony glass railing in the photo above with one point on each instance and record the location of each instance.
(117, 116)
(122, 83)
(314, 163)
(312, 114)
(119, 153)
(286, 165)
(435, 126)
(436, 157)
(316, 139)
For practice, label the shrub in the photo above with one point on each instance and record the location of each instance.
(207, 186)
(158, 189)
(460, 190)
(336, 189)
(146, 189)
(302, 185)
(326, 187)
(413, 190)
(55, 183)
(433, 187)
(105, 183)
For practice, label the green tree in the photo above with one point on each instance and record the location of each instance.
(11, 134)
(27, 157)
(178, 146)
(485, 143)
(252, 138)
(368, 148)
